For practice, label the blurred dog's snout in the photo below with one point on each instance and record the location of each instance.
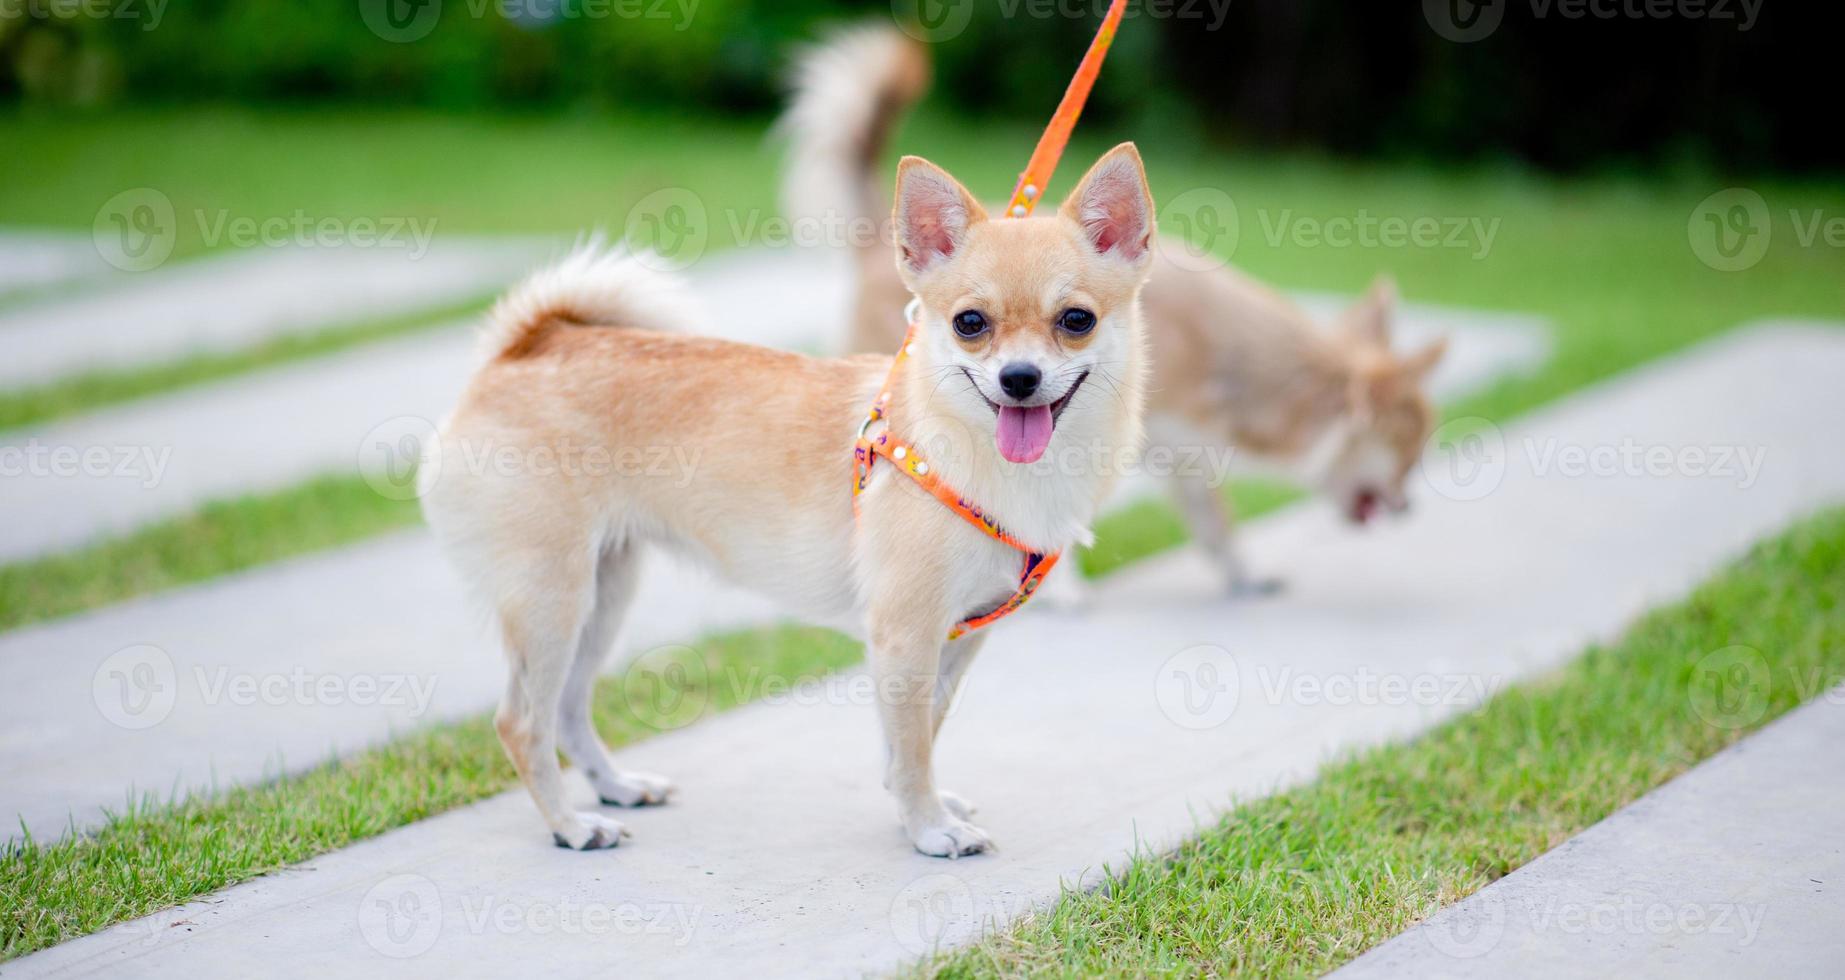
(1020, 380)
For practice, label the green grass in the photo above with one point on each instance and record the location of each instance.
(29, 406)
(1301, 882)
(152, 856)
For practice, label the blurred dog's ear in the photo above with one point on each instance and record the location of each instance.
(1114, 206)
(1416, 367)
(933, 213)
(1368, 321)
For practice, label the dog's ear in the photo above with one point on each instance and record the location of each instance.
(932, 215)
(1369, 319)
(1416, 367)
(1114, 206)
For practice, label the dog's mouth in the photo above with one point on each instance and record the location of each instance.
(1023, 432)
(1364, 506)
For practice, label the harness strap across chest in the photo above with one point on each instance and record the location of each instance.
(907, 460)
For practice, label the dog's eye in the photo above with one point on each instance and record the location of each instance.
(1076, 321)
(970, 324)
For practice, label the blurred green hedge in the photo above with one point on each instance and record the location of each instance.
(1356, 78)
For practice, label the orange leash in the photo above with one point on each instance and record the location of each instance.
(1037, 175)
(904, 456)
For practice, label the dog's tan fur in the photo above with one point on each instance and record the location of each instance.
(582, 361)
(1234, 363)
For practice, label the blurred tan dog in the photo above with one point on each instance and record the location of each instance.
(1029, 336)
(1235, 364)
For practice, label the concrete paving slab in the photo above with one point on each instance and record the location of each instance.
(224, 302)
(1736, 869)
(1084, 736)
(32, 259)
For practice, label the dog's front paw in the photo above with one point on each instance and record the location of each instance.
(950, 837)
(590, 832)
(957, 805)
(633, 789)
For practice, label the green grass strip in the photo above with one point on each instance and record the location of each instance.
(153, 855)
(1302, 882)
(97, 389)
(220, 538)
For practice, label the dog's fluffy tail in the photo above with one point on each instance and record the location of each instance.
(849, 92)
(595, 286)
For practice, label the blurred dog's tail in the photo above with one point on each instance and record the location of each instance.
(849, 93)
(595, 286)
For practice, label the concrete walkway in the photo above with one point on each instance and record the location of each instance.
(224, 302)
(1736, 869)
(1084, 737)
(165, 456)
(388, 612)
(32, 260)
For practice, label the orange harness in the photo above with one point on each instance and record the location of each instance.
(907, 460)
(904, 456)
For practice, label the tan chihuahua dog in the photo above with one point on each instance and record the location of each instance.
(1028, 336)
(1234, 364)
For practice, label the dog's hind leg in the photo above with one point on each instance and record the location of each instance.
(1209, 517)
(543, 625)
(617, 575)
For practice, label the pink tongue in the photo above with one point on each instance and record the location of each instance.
(1023, 433)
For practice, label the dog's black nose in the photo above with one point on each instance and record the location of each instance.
(1019, 380)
